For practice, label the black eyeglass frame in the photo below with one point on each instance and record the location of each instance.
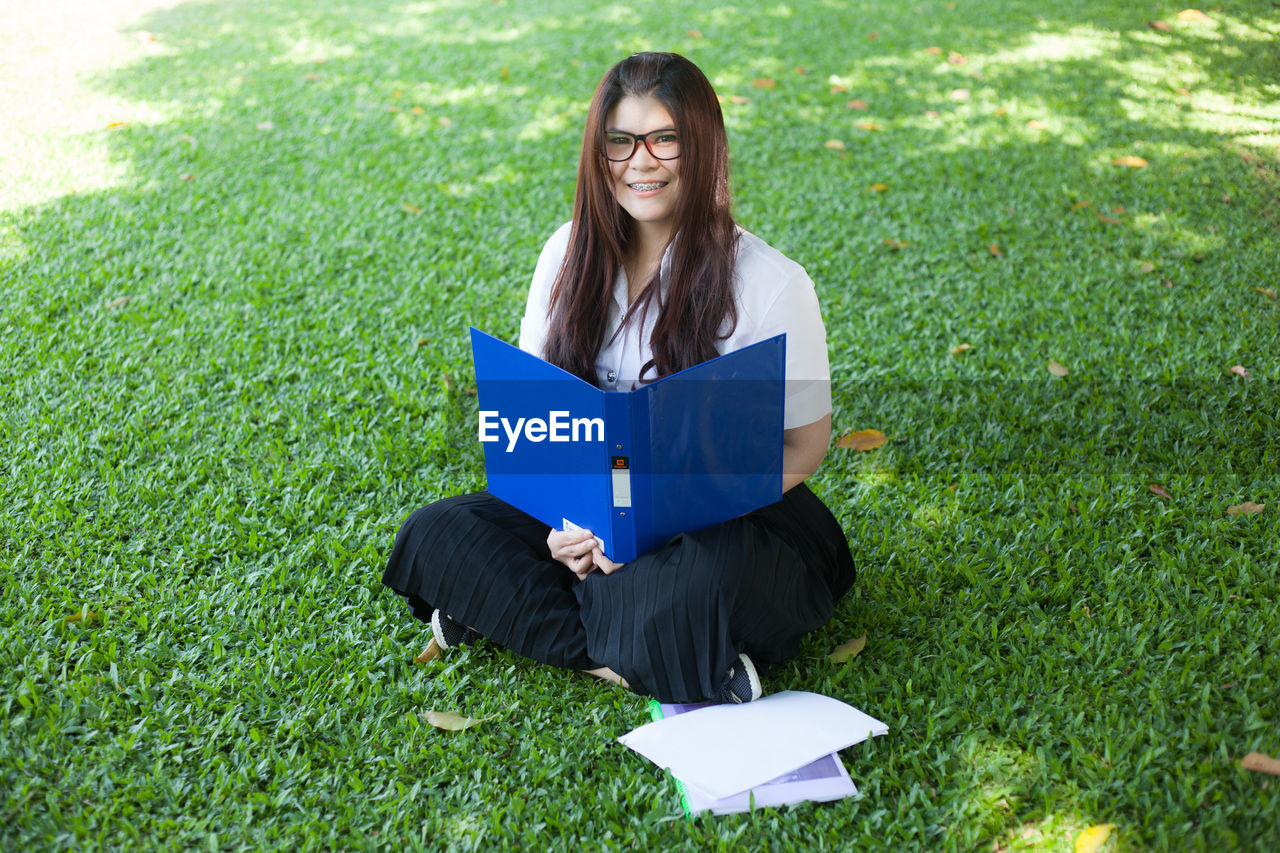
(636, 139)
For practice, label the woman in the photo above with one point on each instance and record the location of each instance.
(651, 276)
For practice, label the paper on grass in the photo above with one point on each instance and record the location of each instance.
(820, 781)
(723, 750)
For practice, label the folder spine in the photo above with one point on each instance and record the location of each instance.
(620, 449)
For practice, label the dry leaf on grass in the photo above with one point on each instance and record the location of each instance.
(1092, 839)
(118, 302)
(739, 99)
(848, 649)
(1081, 204)
(1057, 368)
(878, 188)
(961, 349)
(957, 58)
(868, 125)
(1147, 268)
(765, 83)
(411, 208)
(1246, 508)
(1159, 25)
(1160, 491)
(1194, 15)
(1130, 161)
(895, 245)
(451, 722)
(1265, 291)
(856, 104)
(863, 439)
(694, 34)
(1110, 220)
(1036, 124)
(1260, 763)
(430, 653)
(1239, 370)
(834, 144)
(995, 250)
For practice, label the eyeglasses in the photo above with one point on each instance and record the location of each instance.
(663, 144)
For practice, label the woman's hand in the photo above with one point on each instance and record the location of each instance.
(576, 549)
(603, 563)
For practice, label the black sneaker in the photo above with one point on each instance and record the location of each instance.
(448, 633)
(743, 684)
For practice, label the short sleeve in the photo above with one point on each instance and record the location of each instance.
(533, 326)
(795, 311)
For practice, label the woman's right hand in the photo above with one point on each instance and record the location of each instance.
(573, 549)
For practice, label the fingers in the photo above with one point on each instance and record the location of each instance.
(573, 549)
(603, 563)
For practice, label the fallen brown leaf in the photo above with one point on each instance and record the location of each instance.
(856, 104)
(1081, 204)
(1194, 15)
(417, 111)
(694, 34)
(1261, 763)
(995, 250)
(957, 58)
(834, 144)
(934, 50)
(895, 245)
(1092, 839)
(449, 721)
(1159, 25)
(1160, 491)
(863, 439)
(430, 653)
(739, 99)
(1246, 508)
(1036, 124)
(1057, 368)
(118, 302)
(1129, 160)
(961, 349)
(1147, 267)
(1239, 370)
(848, 650)
(878, 188)
(1110, 220)
(765, 83)
(1265, 291)
(837, 88)
(869, 125)
(800, 69)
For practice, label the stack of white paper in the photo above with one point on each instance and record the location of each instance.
(724, 750)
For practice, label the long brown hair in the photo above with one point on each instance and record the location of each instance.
(699, 290)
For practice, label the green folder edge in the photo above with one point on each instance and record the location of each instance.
(655, 714)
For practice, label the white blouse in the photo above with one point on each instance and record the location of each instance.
(773, 294)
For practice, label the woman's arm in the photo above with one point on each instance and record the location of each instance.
(803, 449)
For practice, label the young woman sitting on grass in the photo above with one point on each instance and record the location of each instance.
(651, 276)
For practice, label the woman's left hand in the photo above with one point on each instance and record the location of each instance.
(603, 563)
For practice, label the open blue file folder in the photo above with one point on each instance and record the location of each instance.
(676, 455)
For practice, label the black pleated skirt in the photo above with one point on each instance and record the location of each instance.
(671, 622)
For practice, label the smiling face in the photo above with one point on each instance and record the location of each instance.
(646, 187)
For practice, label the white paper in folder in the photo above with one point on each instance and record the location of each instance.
(726, 749)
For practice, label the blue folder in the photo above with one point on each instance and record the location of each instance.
(682, 453)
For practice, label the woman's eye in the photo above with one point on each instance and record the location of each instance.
(619, 140)
(667, 138)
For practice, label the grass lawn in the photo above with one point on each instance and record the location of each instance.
(241, 243)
